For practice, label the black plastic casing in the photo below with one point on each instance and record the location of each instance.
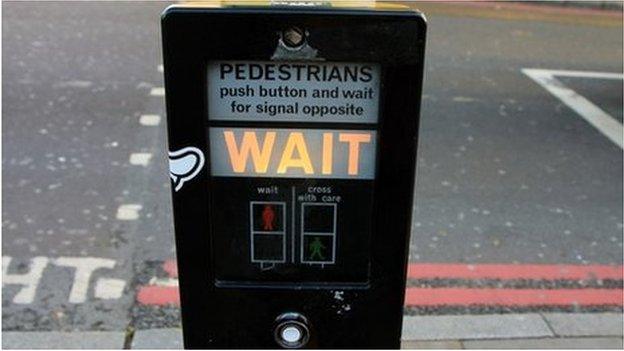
(215, 316)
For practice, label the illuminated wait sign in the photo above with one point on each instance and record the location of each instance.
(293, 153)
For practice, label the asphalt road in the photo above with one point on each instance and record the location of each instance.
(507, 173)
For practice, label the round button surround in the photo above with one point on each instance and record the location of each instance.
(291, 331)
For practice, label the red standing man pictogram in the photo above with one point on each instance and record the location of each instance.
(268, 216)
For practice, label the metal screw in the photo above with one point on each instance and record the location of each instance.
(293, 37)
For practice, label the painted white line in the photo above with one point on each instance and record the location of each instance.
(74, 84)
(169, 282)
(140, 158)
(577, 74)
(29, 280)
(595, 116)
(109, 288)
(84, 266)
(128, 212)
(83, 269)
(149, 120)
(161, 68)
(157, 91)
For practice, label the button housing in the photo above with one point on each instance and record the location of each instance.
(291, 330)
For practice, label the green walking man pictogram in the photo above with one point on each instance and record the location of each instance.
(316, 250)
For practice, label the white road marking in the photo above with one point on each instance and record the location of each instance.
(593, 114)
(149, 120)
(105, 288)
(161, 68)
(140, 158)
(73, 84)
(84, 266)
(128, 212)
(109, 288)
(577, 74)
(169, 282)
(463, 99)
(157, 91)
(30, 280)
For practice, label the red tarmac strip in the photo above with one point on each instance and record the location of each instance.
(158, 295)
(169, 295)
(512, 297)
(513, 271)
(171, 267)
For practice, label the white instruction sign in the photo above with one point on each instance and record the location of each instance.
(293, 91)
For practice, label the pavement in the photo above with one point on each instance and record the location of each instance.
(501, 331)
(518, 205)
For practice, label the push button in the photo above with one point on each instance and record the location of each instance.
(291, 334)
(291, 331)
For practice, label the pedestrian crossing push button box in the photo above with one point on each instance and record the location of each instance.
(292, 135)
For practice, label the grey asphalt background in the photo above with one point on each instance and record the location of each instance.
(76, 78)
(506, 172)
